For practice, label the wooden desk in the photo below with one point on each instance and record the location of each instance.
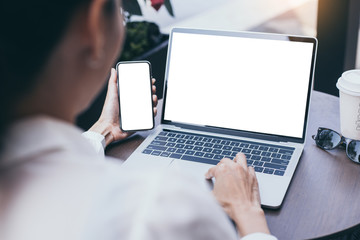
(323, 196)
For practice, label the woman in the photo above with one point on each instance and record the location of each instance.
(55, 182)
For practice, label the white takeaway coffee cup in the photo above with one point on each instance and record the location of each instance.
(349, 89)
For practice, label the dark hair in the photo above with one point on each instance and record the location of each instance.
(29, 31)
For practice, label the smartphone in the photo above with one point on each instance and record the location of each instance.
(135, 95)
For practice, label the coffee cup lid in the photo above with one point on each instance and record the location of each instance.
(349, 82)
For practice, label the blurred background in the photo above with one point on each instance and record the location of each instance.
(334, 22)
(290, 16)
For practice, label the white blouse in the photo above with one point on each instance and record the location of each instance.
(55, 184)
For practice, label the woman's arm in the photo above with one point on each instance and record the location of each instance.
(236, 189)
(108, 123)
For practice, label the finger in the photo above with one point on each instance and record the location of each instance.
(155, 111)
(255, 187)
(241, 159)
(113, 76)
(226, 160)
(153, 80)
(210, 173)
(126, 134)
(155, 100)
(153, 89)
(112, 86)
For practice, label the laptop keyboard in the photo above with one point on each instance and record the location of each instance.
(265, 158)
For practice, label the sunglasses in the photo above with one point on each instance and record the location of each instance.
(328, 139)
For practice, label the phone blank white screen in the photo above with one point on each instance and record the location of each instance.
(256, 85)
(135, 96)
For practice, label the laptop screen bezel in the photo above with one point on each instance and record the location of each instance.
(235, 132)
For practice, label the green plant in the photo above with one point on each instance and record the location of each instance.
(140, 38)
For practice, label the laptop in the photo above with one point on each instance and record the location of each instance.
(229, 92)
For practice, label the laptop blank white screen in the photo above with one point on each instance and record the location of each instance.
(256, 85)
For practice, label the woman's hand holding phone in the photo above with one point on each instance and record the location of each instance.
(108, 124)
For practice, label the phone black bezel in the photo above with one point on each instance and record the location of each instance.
(152, 104)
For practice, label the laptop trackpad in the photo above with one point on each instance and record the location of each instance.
(195, 170)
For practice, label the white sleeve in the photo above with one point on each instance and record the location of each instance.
(258, 236)
(162, 206)
(96, 140)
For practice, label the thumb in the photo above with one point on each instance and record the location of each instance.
(210, 173)
(255, 188)
(112, 79)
